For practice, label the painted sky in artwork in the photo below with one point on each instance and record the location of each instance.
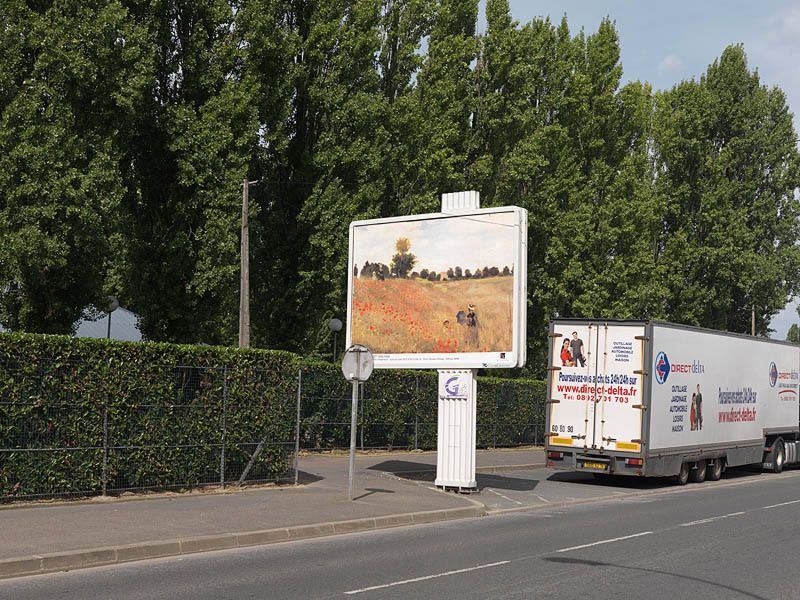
(485, 240)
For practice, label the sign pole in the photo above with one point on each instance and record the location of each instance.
(357, 365)
(353, 426)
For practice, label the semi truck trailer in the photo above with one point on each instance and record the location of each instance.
(655, 399)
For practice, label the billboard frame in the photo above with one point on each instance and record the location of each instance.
(514, 357)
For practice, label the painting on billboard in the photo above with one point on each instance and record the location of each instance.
(436, 288)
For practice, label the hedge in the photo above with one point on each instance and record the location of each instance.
(165, 413)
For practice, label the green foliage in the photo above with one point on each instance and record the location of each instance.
(164, 406)
(126, 129)
(161, 410)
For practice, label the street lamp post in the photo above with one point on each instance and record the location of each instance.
(335, 325)
(113, 304)
(244, 271)
(244, 268)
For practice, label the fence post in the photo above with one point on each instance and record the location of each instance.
(416, 413)
(105, 444)
(494, 422)
(361, 400)
(224, 426)
(297, 428)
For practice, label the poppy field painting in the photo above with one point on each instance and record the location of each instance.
(437, 286)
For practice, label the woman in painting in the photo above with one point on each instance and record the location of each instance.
(693, 413)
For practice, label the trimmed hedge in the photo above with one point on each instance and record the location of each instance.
(165, 412)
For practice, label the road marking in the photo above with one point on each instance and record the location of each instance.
(504, 497)
(781, 504)
(545, 500)
(426, 577)
(710, 519)
(618, 539)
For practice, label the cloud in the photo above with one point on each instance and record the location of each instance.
(669, 64)
(784, 27)
(774, 52)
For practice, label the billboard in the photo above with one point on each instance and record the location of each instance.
(440, 290)
(711, 389)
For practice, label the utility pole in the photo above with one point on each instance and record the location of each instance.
(753, 321)
(244, 284)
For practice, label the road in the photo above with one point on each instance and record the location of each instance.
(732, 539)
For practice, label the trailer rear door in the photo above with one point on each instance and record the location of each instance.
(596, 386)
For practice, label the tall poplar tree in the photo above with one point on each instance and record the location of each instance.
(69, 76)
(727, 171)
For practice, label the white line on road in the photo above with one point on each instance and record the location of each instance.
(619, 539)
(545, 500)
(426, 577)
(710, 519)
(781, 504)
(504, 497)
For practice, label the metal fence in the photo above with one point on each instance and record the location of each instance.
(402, 414)
(66, 430)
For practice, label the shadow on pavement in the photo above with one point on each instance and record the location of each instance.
(596, 563)
(306, 477)
(641, 483)
(500, 482)
(371, 491)
(400, 467)
(412, 471)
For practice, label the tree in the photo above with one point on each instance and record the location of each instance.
(727, 168)
(403, 262)
(69, 78)
(457, 273)
(794, 334)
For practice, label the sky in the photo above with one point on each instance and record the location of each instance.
(441, 244)
(665, 43)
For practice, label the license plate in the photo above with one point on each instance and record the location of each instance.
(596, 466)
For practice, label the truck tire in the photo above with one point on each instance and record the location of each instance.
(682, 478)
(714, 472)
(698, 474)
(778, 456)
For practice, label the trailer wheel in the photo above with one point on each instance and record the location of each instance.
(682, 478)
(778, 456)
(715, 472)
(698, 474)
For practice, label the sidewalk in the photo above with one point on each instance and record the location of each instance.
(391, 489)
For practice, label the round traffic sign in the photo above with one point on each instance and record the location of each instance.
(357, 363)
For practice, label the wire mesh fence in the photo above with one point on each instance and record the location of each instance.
(66, 431)
(402, 413)
(67, 428)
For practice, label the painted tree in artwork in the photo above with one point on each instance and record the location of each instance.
(403, 262)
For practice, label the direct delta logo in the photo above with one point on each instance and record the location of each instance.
(664, 367)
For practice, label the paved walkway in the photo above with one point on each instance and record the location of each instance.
(391, 489)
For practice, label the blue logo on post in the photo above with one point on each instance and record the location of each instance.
(662, 367)
(451, 387)
(773, 374)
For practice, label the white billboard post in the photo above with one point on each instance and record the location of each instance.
(445, 291)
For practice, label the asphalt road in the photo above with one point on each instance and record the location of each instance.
(733, 539)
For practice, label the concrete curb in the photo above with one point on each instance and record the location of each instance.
(96, 557)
